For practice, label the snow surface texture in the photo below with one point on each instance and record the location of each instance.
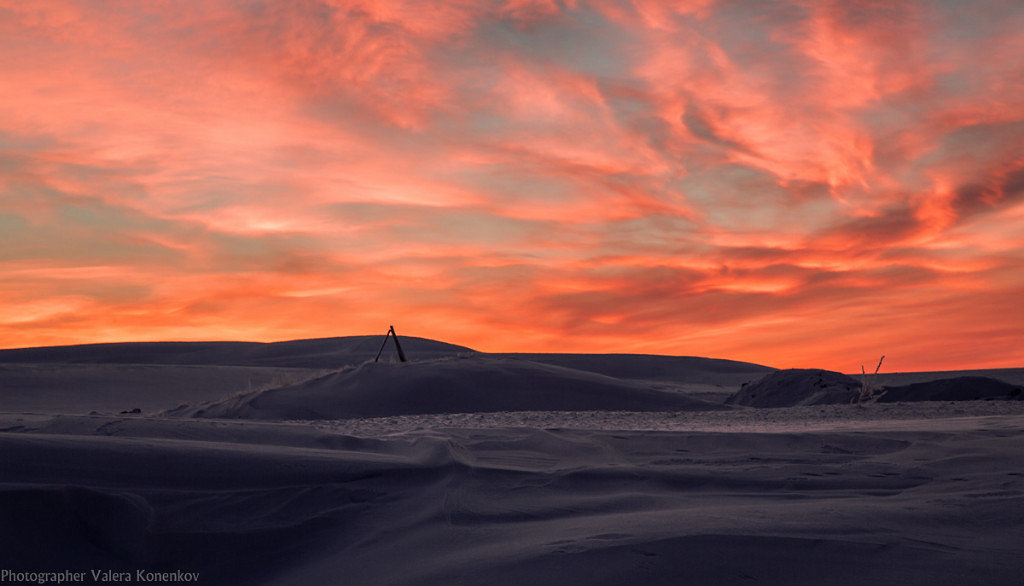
(901, 493)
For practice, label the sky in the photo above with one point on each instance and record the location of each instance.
(796, 184)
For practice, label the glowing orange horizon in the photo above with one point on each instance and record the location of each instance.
(807, 185)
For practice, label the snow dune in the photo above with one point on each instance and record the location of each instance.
(466, 384)
(160, 376)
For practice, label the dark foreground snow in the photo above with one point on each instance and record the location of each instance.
(279, 503)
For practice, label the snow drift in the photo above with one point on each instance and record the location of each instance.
(467, 384)
(286, 504)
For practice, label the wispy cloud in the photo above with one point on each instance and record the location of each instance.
(789, 183)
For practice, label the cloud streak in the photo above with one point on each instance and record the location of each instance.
(790, 183)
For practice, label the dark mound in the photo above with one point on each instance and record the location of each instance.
(467, 384)
(316, 353)
(962, 388)
(786, 388)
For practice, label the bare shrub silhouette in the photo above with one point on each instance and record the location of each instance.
(869, 393)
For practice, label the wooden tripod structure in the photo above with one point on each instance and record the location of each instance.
(391, 334)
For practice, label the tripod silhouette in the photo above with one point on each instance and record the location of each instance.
(391, 334)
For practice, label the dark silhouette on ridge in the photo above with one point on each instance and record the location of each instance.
(391, 333)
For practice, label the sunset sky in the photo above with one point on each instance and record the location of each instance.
(797, 184)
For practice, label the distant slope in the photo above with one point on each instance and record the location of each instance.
(81, 388)
(650, 367)
(469, 384)
(1014, 376)
(314, 353)
(342, 351)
